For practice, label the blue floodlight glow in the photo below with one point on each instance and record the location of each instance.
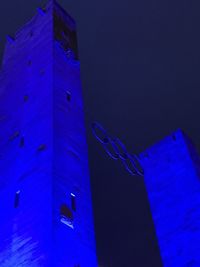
(172, 178)
(43, 149)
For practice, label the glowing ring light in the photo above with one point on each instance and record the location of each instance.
(121, 149)
(138, 165)
(131, 162)
(114, 155)
(97, 127)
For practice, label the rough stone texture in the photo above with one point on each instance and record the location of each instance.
(173, 186)
(43, 150)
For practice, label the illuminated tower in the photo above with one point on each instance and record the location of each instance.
(45, 198)
(172, 177)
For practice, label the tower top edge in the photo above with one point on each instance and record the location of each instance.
(59, 9)
(61, 12)
(51, 8)
(175, 137)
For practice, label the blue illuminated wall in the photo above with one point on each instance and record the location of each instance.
(45, 199)
(172, 177)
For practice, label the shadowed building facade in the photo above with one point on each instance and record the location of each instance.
(45, 193)
(172, 178)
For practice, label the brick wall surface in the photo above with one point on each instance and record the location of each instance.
(43, 150)
(173, 186)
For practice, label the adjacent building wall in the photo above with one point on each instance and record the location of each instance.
(173, 185)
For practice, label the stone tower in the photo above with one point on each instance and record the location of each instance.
(172, 178)
(45, 198)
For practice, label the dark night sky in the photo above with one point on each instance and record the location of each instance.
(140, 63)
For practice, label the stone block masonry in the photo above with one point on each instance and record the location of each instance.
(173, 185)
(45, 198)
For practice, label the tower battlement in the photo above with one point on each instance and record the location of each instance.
(51, 21)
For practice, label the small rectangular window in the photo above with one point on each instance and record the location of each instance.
(68, 96)
(21, 144)
(14, 135)
(17, 196)
(42, 147)
(25, 98)
(73, 202)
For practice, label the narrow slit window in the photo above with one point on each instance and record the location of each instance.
(25, 98)
(73, 202)
(29, 63)
(14, 135)
(22, 142)
(42, 147)
(68, 96)
(174, 137)
(17, 198)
